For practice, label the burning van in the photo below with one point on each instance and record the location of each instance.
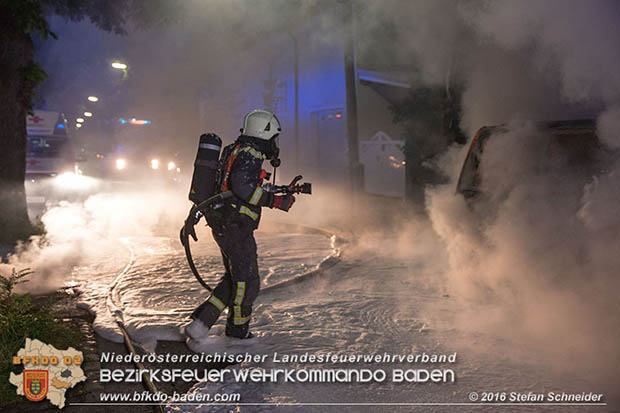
(565, 155)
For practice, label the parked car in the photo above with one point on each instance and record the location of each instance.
(49, 149)
(570, 144)
(52, 165)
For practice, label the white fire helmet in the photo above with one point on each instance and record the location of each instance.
(261, 124)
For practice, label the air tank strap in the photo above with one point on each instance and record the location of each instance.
(229, 165)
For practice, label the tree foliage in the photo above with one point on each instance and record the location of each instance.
(431, 116)
(31, 16)
(110, 15)
(28, 16)
(116, 15)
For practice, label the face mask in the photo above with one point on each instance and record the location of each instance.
(274, 148)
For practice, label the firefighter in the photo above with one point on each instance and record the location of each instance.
(233, 224)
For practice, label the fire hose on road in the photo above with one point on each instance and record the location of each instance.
(115, 305)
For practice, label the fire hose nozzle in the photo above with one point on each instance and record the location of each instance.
(292, 188)
(305, 188)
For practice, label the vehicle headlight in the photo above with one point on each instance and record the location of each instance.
(70, 180)
(171, 166)
(121, 164)
(155, 163)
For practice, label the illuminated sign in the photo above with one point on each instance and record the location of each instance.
(134, 121)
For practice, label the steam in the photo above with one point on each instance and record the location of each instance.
(541, 269)
(80, 233)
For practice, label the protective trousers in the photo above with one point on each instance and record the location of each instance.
(240, 284)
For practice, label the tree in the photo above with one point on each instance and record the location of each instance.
(431, 116)
(20, 74)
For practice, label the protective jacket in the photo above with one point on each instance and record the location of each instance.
(241, 172)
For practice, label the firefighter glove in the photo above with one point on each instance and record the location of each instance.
(283, 202)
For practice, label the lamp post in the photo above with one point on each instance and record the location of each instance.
(356, 168)
(120, 66)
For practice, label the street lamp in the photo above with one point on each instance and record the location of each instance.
(88, 114)
(78, 125)
(119, 65)
(80, 120)
(93, 98)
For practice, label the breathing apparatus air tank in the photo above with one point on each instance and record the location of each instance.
(205, 168)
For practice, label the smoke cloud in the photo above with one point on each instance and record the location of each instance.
(540, 266)
(80, 233)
